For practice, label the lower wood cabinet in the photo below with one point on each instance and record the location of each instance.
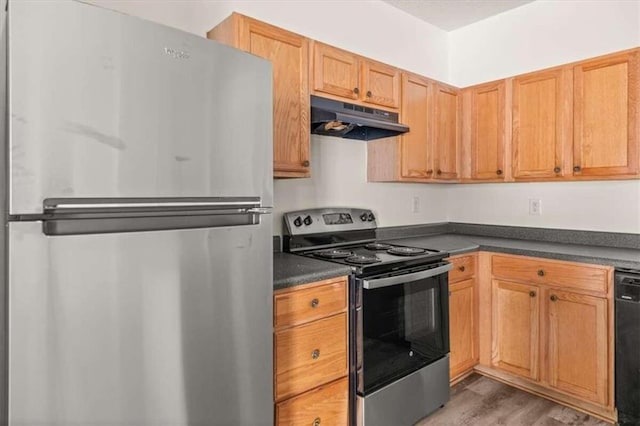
(516, 315)
(311, 357)
(551, 330)
(463, 316)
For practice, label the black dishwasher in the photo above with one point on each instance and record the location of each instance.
(627, 306)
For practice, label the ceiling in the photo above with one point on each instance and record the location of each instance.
(452, 14)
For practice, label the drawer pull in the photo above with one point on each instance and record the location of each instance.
(315, 303)
(461, 268)
(315, 354)
(532, 294)
(316, 421)
(540, 272)
(553, 297)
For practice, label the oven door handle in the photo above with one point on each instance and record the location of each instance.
(405, 278)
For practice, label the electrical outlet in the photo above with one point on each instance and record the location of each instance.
(535, 207)
(415, 205)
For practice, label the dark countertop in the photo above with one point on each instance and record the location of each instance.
(457, 244)
(290, 270)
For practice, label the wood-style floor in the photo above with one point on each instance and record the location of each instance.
(480, 401)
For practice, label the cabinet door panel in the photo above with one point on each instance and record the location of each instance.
(578, 345)
(415, 145)
(488, 131)
(462, 328)
(606, 116)
(381, 84)
(289, 56)
(540, 120)
(515, 328)
(335, 71)
(446, 131)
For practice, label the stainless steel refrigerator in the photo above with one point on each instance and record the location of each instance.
(137, 257)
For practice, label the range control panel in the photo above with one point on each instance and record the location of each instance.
(337, 219)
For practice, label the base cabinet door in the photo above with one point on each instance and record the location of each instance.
(462, 326)
(515, 328)
(577, 344)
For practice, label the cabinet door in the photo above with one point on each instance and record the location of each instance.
(446, 121)
(462, 327)
(578, 345)
(488, 131)
(415, 145)
(289, 56)
(515, 328)
(380, 84)
(606, 116)
(325, 405)
(541, 119)
(335, 71)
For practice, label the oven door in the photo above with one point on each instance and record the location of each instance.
(402, 324)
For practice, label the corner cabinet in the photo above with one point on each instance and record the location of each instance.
(343, 75)
(311, 356)
(289, 56)
(446, 131)
(552, 330)
(484, 131)
(607, 116)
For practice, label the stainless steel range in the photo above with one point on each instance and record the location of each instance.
(399, 317)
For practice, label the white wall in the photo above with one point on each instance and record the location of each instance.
(370, 28)
(534, 36)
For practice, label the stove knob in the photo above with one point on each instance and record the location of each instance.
(308, 221)
(298, 221)
(363, 217)
(370, 217)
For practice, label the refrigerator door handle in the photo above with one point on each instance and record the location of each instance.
(61, 205)
(259, 210)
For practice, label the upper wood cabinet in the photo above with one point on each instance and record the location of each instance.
(446, 131)
(341, 74)
(484, 130)
(541, 124)
(289, 56)
(607, 115)
(415, 146)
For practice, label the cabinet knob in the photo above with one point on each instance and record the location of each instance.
(429, 172)
(305, 163)
(461, 268)
(553, 298)
(369, 94)
(438, 172)
(577, 168)
(316, 421)
(315, 303)
(356, 90)
(498, 172)
(557, 170)
(315, 354)
(532, 294)
(540, 272)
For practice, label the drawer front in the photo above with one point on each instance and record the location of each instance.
(309, 355)
(464, 267)
(560, 274)
(326, 405)
(299, 306)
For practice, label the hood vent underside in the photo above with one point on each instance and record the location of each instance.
(345, 120)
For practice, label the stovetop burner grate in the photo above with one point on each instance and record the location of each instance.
(406, 251)
(359, 259)
(334, 254)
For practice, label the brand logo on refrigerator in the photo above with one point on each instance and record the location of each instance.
(176, 54)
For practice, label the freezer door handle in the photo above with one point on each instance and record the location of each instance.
(89, 205)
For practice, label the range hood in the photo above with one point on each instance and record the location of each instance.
(345, 120)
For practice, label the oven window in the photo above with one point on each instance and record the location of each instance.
(405, 327)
